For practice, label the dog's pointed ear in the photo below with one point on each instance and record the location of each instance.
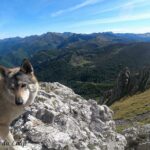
(26, 67)
(3, 71)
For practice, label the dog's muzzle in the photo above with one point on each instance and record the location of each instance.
(19, 101)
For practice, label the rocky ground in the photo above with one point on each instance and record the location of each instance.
(62, 120)
(133, 121)
(138, 137)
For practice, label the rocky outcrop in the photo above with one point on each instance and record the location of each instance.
(138, 138)
(127, 83)
(62, 120)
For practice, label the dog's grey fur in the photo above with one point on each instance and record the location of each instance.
(18, 89)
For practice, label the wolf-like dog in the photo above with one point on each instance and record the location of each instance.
(18, 89)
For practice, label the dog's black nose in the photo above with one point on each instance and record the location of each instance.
(19, 101)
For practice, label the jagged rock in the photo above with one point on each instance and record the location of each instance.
(127, 83)
(144, 77)
(62, 120)
(138, 138)
(123, 81)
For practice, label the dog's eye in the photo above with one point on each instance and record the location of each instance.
(23, 85)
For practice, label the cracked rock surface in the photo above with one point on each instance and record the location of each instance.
(138, 137)
(62, 120)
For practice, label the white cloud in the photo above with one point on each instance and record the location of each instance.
(142, 16)
(129, 30)
(78, 6)
(127, 5)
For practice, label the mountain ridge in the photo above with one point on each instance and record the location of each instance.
(88, 61)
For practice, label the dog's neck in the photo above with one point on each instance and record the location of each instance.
(2, 87)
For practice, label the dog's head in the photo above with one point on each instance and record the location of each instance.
(20, 84)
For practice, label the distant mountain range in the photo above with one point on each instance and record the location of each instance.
(89, 63)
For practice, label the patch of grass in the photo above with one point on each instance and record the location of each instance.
(129, 107)
(90, 89)
(120, 128)
(146, 121)
(78, 61)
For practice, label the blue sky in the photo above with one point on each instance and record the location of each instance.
(29, 17)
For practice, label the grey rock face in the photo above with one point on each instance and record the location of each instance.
(127, 84)
(138, 138)
(62, 120)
